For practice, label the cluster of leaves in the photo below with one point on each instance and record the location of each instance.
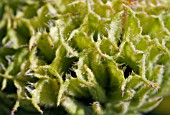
(84, 56)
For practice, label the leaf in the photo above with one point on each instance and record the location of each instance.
(153, 26)
(132, 29)
(45, 92)
(74, 107)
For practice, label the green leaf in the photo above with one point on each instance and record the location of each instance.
(45, 92)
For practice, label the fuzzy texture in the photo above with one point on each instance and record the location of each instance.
(83, 57)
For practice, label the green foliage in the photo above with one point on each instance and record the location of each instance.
(84, 57)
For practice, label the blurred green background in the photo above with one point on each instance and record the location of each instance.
(163, 108)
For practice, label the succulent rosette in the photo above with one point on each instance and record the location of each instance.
(84, 57)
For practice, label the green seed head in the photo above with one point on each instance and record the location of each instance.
(84, 57)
